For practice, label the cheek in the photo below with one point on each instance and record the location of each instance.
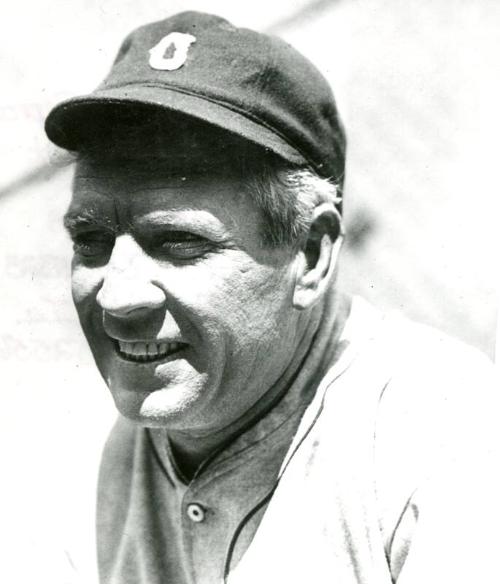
(241, 299)
(259, 294)
(85, 283)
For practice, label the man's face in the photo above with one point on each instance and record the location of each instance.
(188, 315)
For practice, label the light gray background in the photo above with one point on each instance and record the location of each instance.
(418, 86)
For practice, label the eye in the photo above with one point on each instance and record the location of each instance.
(93, 244)
(182, 245)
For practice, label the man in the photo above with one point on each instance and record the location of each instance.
(271, 429)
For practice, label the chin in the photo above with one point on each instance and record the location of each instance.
(172, 407)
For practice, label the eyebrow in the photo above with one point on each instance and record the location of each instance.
(82, 218)
(164, 217)
(185, 219)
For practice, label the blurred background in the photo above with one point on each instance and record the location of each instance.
(417, 83)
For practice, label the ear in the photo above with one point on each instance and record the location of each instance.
(317, 259)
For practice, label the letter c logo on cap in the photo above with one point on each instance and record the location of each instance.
(180, 43)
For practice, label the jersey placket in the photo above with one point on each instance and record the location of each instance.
(217, 505)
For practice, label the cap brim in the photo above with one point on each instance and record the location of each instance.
(72, 122)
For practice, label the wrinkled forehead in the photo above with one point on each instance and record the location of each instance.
(149, 167)
(149, 155)
(136, 180)
(121, 195)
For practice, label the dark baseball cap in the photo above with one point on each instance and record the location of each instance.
(253, 85)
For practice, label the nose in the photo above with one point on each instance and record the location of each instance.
(127, 288)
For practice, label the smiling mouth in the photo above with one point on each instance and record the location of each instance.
(147, 352)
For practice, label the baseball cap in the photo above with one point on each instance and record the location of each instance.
(198, 65)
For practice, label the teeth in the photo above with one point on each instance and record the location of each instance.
(139, 349)
(147, 351)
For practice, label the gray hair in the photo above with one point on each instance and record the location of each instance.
(286, 198)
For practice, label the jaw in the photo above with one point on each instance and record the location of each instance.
(171, 388)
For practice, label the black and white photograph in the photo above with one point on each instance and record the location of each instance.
(250, 264)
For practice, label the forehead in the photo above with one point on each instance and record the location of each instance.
(124, 191)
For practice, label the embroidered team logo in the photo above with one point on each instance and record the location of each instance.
(177, 45)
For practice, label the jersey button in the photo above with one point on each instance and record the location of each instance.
(195, 512)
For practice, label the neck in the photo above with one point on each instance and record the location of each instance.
(316, 350)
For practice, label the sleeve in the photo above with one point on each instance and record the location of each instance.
(438, 479)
